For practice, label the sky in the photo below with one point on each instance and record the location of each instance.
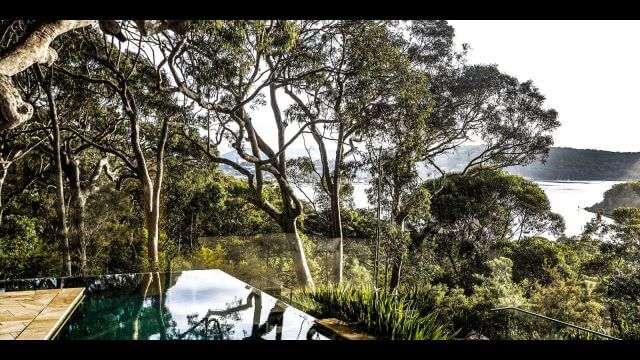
(589, 72)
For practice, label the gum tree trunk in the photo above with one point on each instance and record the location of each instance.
(297, 254)
(151, 190)
(4, 169)
(80, 201)
(152, 221)
(395, 273)
(36, 48)
(331, 183)
(336, 268)
(63, 231)
(79, 196)
(336, 220)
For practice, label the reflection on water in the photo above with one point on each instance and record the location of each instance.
(190, 305)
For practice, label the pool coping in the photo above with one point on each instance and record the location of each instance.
(37, 314)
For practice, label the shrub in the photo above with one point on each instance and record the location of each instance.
(381, 314)
(569, 300)
(23, 254)
(209, 258)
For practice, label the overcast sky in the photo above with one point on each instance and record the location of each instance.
(588, 70)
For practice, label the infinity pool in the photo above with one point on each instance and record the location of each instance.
(189, 305)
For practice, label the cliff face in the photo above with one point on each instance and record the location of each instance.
(620, 195)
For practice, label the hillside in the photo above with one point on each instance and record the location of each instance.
(583, 164)
(620, 195)
(562, 164)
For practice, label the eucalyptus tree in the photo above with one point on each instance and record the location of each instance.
(478, 103)
(467, 103)
(16, 144)
(404, 196)
(25, 43)
(136, 127)
(55, 140)
(30, 45)
(475, 212)
(395, 181)
(366, 79)
(82, 164)
(84, 184)
(225, 67)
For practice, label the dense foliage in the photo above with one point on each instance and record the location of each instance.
(119, 170)
(625, 194)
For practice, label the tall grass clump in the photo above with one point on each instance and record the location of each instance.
(379, 313)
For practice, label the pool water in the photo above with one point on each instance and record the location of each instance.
(187, 305)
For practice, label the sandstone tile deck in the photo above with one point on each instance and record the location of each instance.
(36, 314)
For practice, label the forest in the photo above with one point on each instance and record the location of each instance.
(112, 135)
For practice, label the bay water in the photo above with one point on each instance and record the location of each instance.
(567, 198)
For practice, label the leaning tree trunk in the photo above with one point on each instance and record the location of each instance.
(36, 48)
(297, 254)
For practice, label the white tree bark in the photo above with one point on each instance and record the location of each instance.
(34, 49)
(14, 110)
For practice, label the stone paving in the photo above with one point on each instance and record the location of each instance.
(36, 314)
